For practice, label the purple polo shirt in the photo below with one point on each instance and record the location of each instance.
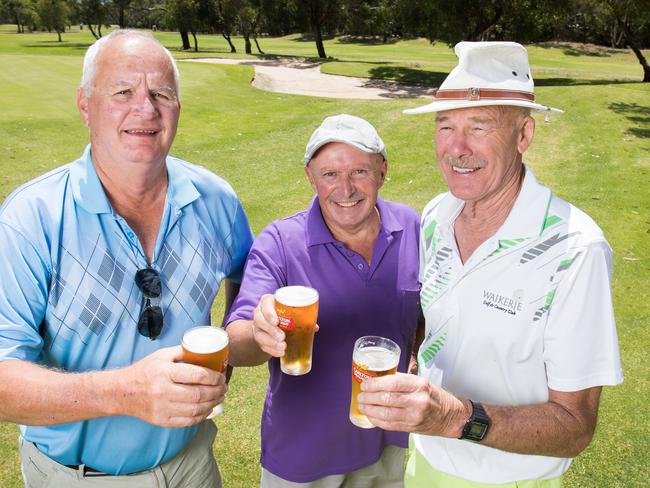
(306, 431)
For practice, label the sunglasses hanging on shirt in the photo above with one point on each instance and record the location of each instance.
(150, 321)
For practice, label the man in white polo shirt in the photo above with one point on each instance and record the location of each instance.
(516, 291)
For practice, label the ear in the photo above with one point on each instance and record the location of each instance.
(82, 105)
(383, 171)
(525, 136)
(310, 177)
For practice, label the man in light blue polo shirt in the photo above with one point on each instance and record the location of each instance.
(105, 262)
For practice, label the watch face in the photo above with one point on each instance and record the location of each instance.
(477, 430)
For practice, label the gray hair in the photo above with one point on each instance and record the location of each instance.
(90, 59)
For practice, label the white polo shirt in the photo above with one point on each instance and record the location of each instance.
(530, 310)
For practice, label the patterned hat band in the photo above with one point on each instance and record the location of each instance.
(484, 94)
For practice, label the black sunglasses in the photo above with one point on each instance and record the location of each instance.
(150, 322)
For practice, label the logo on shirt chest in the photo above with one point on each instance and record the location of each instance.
(510, 305)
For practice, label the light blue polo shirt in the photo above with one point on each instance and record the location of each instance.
(68, 299)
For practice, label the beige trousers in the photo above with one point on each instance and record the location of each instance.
(194, 467)
(387, 472)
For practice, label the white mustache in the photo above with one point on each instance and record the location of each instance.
(465, 162)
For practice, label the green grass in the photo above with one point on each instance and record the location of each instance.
(597, 155)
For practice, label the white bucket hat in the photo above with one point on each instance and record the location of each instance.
(347, 129)
(488, 73)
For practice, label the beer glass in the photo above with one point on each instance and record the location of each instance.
(208, 347)
(373, 356)
(297, 309)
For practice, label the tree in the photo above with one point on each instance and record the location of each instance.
(93, 13)
(452, 21)
(368, 17)
(632, 17)
(319, 12)
(184, 15)
(21, 12)
(227, 19)
(249, 17)
(53, 15)
(120, 7)
(280, 18)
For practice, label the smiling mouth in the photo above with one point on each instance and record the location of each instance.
(141, 132)
(348, 204)
(464, 171)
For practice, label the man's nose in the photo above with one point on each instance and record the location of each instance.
(145, 104)
(458, 145)
(347, 185)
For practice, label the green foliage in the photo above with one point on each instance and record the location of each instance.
(94, 14)
(53, 15)
(20, 12)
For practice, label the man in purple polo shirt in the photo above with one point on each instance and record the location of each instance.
(361, 254)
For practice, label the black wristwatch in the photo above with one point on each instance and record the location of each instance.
(477, 424)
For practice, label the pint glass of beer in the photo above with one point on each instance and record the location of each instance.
(297, 309)
(373, 356)
(208, 347)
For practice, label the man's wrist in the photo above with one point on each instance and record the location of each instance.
(110, 391)
(460, 419)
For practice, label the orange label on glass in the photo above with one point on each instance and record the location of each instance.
(285, 323)
(361, 375)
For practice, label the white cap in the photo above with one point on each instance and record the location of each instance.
(488, 73)
(347, 129)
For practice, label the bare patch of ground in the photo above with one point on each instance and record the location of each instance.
(305, 78)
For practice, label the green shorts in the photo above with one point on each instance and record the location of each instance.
(420, 474)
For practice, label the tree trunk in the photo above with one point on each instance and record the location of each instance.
(186, 40)
(631, 41)
(319, 42)
(196, 43)
(642, 60)
(485, 29)
(121, 17)
(232, 46)
(99, 30)
(92, 31)
(247, 43)
(317, 20)
(257, 44)
(59, 34)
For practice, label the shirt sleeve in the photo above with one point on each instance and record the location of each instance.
(240, 240)
(23, 296)
(580, 341)
(265, 272)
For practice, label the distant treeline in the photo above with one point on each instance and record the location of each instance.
(614, 23)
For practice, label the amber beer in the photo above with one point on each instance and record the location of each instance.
(208, 347)
(373, 356)
(297, 309)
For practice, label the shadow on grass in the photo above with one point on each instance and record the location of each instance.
(636, 113)
(409, 76)
(577, 49)
(580, 82)
(310, 38)
(367, 41)
(435, 78)
(57, 44)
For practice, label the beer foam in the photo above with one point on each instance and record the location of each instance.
(376, 358)
(296, 296)
(204, 340)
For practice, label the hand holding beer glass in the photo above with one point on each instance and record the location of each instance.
(208, 347)
(372, 357)
(297, 311)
